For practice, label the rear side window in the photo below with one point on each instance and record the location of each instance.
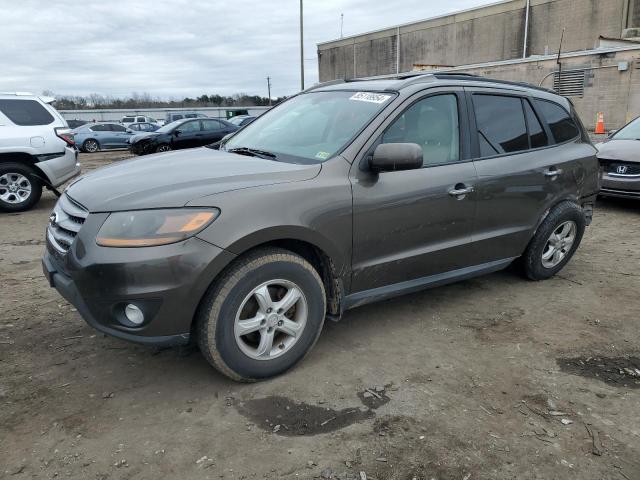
(501, 125)
(537, 135)
(25, 113)
(117, 128)
(128, 119)
(141, 119)
(100, 128)
(560, 122)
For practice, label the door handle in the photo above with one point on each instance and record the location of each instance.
(460, 190)
(552, 172)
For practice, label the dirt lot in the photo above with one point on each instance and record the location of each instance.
(495, 377)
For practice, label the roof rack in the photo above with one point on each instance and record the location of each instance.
(411, 79)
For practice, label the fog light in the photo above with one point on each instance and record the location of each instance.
(134, 314)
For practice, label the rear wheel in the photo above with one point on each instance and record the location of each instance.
(555, 242)
(263, 316)
(91, 146)
(20, 189)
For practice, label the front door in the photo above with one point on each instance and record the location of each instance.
(186, 135)
(409, 225)
(212, 131)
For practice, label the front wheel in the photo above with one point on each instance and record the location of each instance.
(20, 189)
(163, 148)
(263, 316)
(555, 242)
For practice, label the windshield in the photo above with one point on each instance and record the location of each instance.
(311, 127)
(630, 132)
(169, 126)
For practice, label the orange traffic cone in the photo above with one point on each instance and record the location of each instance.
(600, 124)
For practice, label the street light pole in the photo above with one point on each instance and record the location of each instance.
(301, 50)
(269, 89)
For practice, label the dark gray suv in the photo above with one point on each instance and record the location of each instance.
(347, 193)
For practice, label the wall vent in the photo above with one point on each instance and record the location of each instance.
(569, 83)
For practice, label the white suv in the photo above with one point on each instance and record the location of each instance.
(36, 150)
(129, 119)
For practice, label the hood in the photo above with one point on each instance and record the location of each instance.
(139, 136)
(621, 150)
(172, 179)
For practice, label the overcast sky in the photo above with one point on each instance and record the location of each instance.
(177, 48)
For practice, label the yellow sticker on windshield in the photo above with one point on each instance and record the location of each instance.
(323, 155)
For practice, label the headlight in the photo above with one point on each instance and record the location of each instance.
(148, 228)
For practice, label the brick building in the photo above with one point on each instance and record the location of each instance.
(514, 40)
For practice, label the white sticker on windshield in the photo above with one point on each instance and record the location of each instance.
(370, 97)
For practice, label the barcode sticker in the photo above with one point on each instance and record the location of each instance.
(370, 97)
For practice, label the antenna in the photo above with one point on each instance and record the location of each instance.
(269, 89)
(559, 62)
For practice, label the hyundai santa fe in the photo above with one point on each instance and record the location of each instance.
(347, 193)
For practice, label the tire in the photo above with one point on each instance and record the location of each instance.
(20, 188)
(165, 147)
(231, 299)
(545, 256)
(90, 146)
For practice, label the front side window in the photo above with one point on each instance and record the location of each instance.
(630, 132)
(189, 127)
(26, 113)
(135, 127)
(501, 124)
(433, 124)
(311, 127)
(560, 122)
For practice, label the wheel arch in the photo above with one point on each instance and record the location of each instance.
(322, 256)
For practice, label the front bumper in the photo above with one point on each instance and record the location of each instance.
(165, 282)
(624, 186)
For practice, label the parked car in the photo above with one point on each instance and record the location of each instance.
(101, 136)
(36, 150)
(129, 119)
(143, 127)
(242, 120)
(181, 134)
(173, 116)
(342, 195)
(619, 156)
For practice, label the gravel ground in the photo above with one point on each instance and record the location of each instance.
(495, 377)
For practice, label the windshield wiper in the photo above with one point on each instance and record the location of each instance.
(252, 152)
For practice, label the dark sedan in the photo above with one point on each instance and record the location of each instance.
(619, 157)
(181, 134)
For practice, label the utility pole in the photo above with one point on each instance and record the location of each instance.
(301, 50)
(269, 89)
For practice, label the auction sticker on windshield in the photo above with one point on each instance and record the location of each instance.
(370, 97)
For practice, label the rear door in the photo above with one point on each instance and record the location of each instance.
(212, 131)
(409, 225)
(521, 171)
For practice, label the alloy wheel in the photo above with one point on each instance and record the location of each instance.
(559, 244)
(271, 319)
(14, 188)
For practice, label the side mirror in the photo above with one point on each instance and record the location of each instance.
(177, 132)
(129, 130)
(392, 157)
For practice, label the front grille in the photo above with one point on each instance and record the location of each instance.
(65, 222)
(621, 168)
